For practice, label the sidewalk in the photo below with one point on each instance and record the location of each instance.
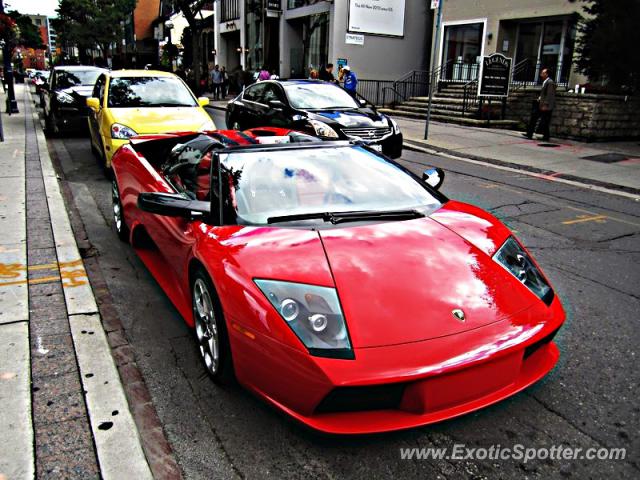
(616, 164)
(64, 413)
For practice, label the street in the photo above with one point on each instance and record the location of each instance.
(586, 241)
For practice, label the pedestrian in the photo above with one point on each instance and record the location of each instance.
(216, 82)
(350, 80)
(313, 74)
(326, 73)
(264, 74)
(542, 109)
(225, 82)
(274, 75)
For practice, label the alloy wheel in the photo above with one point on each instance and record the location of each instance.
(206, 326)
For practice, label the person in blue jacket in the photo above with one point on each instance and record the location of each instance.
(350, 80)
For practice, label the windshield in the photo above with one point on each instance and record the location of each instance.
(126, 92)
(311, 96)
(261, 185)
(66, 78)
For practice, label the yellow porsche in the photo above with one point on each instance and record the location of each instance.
(126, 103)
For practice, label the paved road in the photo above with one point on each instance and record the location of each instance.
(588, 243)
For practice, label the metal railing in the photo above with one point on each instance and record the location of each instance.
(373, 90)
(413, 84)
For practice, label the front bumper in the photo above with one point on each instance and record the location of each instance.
(71, 119)
(437, 379)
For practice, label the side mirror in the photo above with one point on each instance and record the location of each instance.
(433, 177)
(172, 205)
(93, 103)
(203, 101)
(276, 104)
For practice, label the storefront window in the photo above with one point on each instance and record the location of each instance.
(545, 45)
(462, 47)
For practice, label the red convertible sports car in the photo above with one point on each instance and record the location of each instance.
(333, 282)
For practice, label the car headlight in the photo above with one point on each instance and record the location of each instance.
(394, 126)
(122, 132)
(513, 257)
(314, 315)
(63, 97)
(323, 130)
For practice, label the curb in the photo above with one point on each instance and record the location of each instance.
(115, 435)
(154, 442)
(605, 187)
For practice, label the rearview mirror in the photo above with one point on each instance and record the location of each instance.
(203, 101)
(433, 177)
(276, 104)
(172, 205)
(93, 103)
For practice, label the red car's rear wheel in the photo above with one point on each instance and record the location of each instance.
(210, 329)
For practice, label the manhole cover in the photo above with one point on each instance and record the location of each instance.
(548, 145)
(607, 157)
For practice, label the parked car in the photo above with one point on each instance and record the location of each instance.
(331, 281)
(65, 95)
(126, 103)
(314, 107)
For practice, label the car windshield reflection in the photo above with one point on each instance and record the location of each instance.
(130, 92)
(261, 186)
(319, 96)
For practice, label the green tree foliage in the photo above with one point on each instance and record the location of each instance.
(191, 11)
(607, 47)
(27, 33)
(90, 24)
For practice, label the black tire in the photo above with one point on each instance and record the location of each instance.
(220, 368)
(234, 124)
(50, 123)
(118, 213)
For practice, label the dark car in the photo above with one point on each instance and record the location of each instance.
(315, 107)
(65, 95)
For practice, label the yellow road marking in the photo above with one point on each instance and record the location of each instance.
(48, 266)
(69, 277)
(586, 218)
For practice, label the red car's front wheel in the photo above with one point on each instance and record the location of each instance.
(210, 329)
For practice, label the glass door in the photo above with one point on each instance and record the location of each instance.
(551, 44)
(527, 49)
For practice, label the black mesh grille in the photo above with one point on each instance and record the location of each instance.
(352, 399)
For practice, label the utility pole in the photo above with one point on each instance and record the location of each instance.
(434, 53)
(12, 105)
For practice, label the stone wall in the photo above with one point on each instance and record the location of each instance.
(588, 117)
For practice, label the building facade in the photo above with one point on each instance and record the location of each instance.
(536, 34)
(379, 39)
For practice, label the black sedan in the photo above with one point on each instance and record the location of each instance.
(65, 95)
(315, 107)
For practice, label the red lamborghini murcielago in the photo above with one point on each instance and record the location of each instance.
(331, 281)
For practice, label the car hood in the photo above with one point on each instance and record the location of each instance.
(363, 117)
(161, 119)
(399, 282)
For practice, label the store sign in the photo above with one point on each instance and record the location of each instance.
(274, 4)
(495, 76)
(377, 17)
(354, 39)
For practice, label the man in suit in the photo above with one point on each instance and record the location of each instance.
(543, 108)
